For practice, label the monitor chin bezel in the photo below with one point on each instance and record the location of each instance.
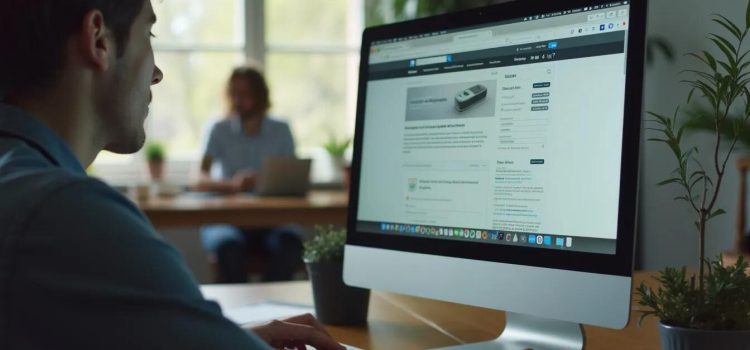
(620, 263)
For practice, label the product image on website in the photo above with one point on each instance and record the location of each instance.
(470, 97)
(449, 101)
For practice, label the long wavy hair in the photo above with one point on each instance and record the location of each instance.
(258, 87)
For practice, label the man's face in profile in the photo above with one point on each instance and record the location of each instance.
(124, 93)
(242, 98)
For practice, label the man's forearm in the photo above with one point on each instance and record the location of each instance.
(206, 184)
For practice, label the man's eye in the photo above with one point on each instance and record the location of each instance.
(152, 35)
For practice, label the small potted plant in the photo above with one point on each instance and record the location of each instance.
(155, 156)
(708, 309)
(336, 149)
(335, 302)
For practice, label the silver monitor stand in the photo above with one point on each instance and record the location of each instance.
(524, 332)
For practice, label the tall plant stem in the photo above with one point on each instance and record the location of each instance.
(701, 249)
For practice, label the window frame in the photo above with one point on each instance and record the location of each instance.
(132, 169)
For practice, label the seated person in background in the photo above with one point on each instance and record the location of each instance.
(238, 144)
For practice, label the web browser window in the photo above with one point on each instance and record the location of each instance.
(508, 133)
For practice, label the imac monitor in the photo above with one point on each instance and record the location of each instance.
(496, 163)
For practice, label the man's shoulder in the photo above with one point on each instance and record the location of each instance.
(32, 182)
(276, 124)
(32, 191)
(87, 196)
(223, 123)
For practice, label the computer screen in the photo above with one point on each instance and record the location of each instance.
(506, 133)
(509, 136)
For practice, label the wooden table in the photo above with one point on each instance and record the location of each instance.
(319, 207)
(404, 322)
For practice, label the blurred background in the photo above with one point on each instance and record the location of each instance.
(309, 51)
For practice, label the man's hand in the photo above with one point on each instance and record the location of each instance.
(296, 332)
(244, 180)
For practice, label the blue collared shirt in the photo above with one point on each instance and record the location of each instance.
(80, 265)
(235, 150)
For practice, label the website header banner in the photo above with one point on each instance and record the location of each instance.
(543, 51)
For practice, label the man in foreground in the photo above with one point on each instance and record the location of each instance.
(80, 266)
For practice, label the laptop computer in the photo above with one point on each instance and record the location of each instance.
(284, 177)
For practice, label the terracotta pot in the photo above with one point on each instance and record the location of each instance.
(156, 169)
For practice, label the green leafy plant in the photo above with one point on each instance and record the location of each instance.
(700, 118)
(701, 302)
(326, 246)
(723, 305)
(337, 148)
(155, 152)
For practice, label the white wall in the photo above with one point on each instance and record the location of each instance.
(666, 233)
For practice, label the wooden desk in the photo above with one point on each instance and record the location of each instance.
(245, 210)
(403, 322)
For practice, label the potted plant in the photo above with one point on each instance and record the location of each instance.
(155, 155)
(335, 302)
(708, 309)
(336, 149)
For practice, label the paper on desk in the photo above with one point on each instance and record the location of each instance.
(265, 311)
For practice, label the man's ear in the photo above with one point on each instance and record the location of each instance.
(96, 44)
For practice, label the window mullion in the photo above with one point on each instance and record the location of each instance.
(255, 33)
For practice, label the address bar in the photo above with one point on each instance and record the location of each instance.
(519, 39)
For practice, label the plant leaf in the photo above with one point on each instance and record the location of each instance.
(729, 25)
(725, 42)
(727, 52)
(711, 60)
(716, 213)
(668, 181)
(690, 95)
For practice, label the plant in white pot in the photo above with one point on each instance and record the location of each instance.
(710, 308)
(155, 156)
(337, 149)
(335, 302)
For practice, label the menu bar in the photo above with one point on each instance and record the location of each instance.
(543, 51)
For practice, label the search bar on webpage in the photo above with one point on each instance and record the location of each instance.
(431, 60)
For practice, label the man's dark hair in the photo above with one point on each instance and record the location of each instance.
(258, 87)
(33, 35)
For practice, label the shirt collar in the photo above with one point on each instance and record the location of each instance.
(20, 124)
(236, 125)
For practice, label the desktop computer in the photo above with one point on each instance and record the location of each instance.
(496, 164)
